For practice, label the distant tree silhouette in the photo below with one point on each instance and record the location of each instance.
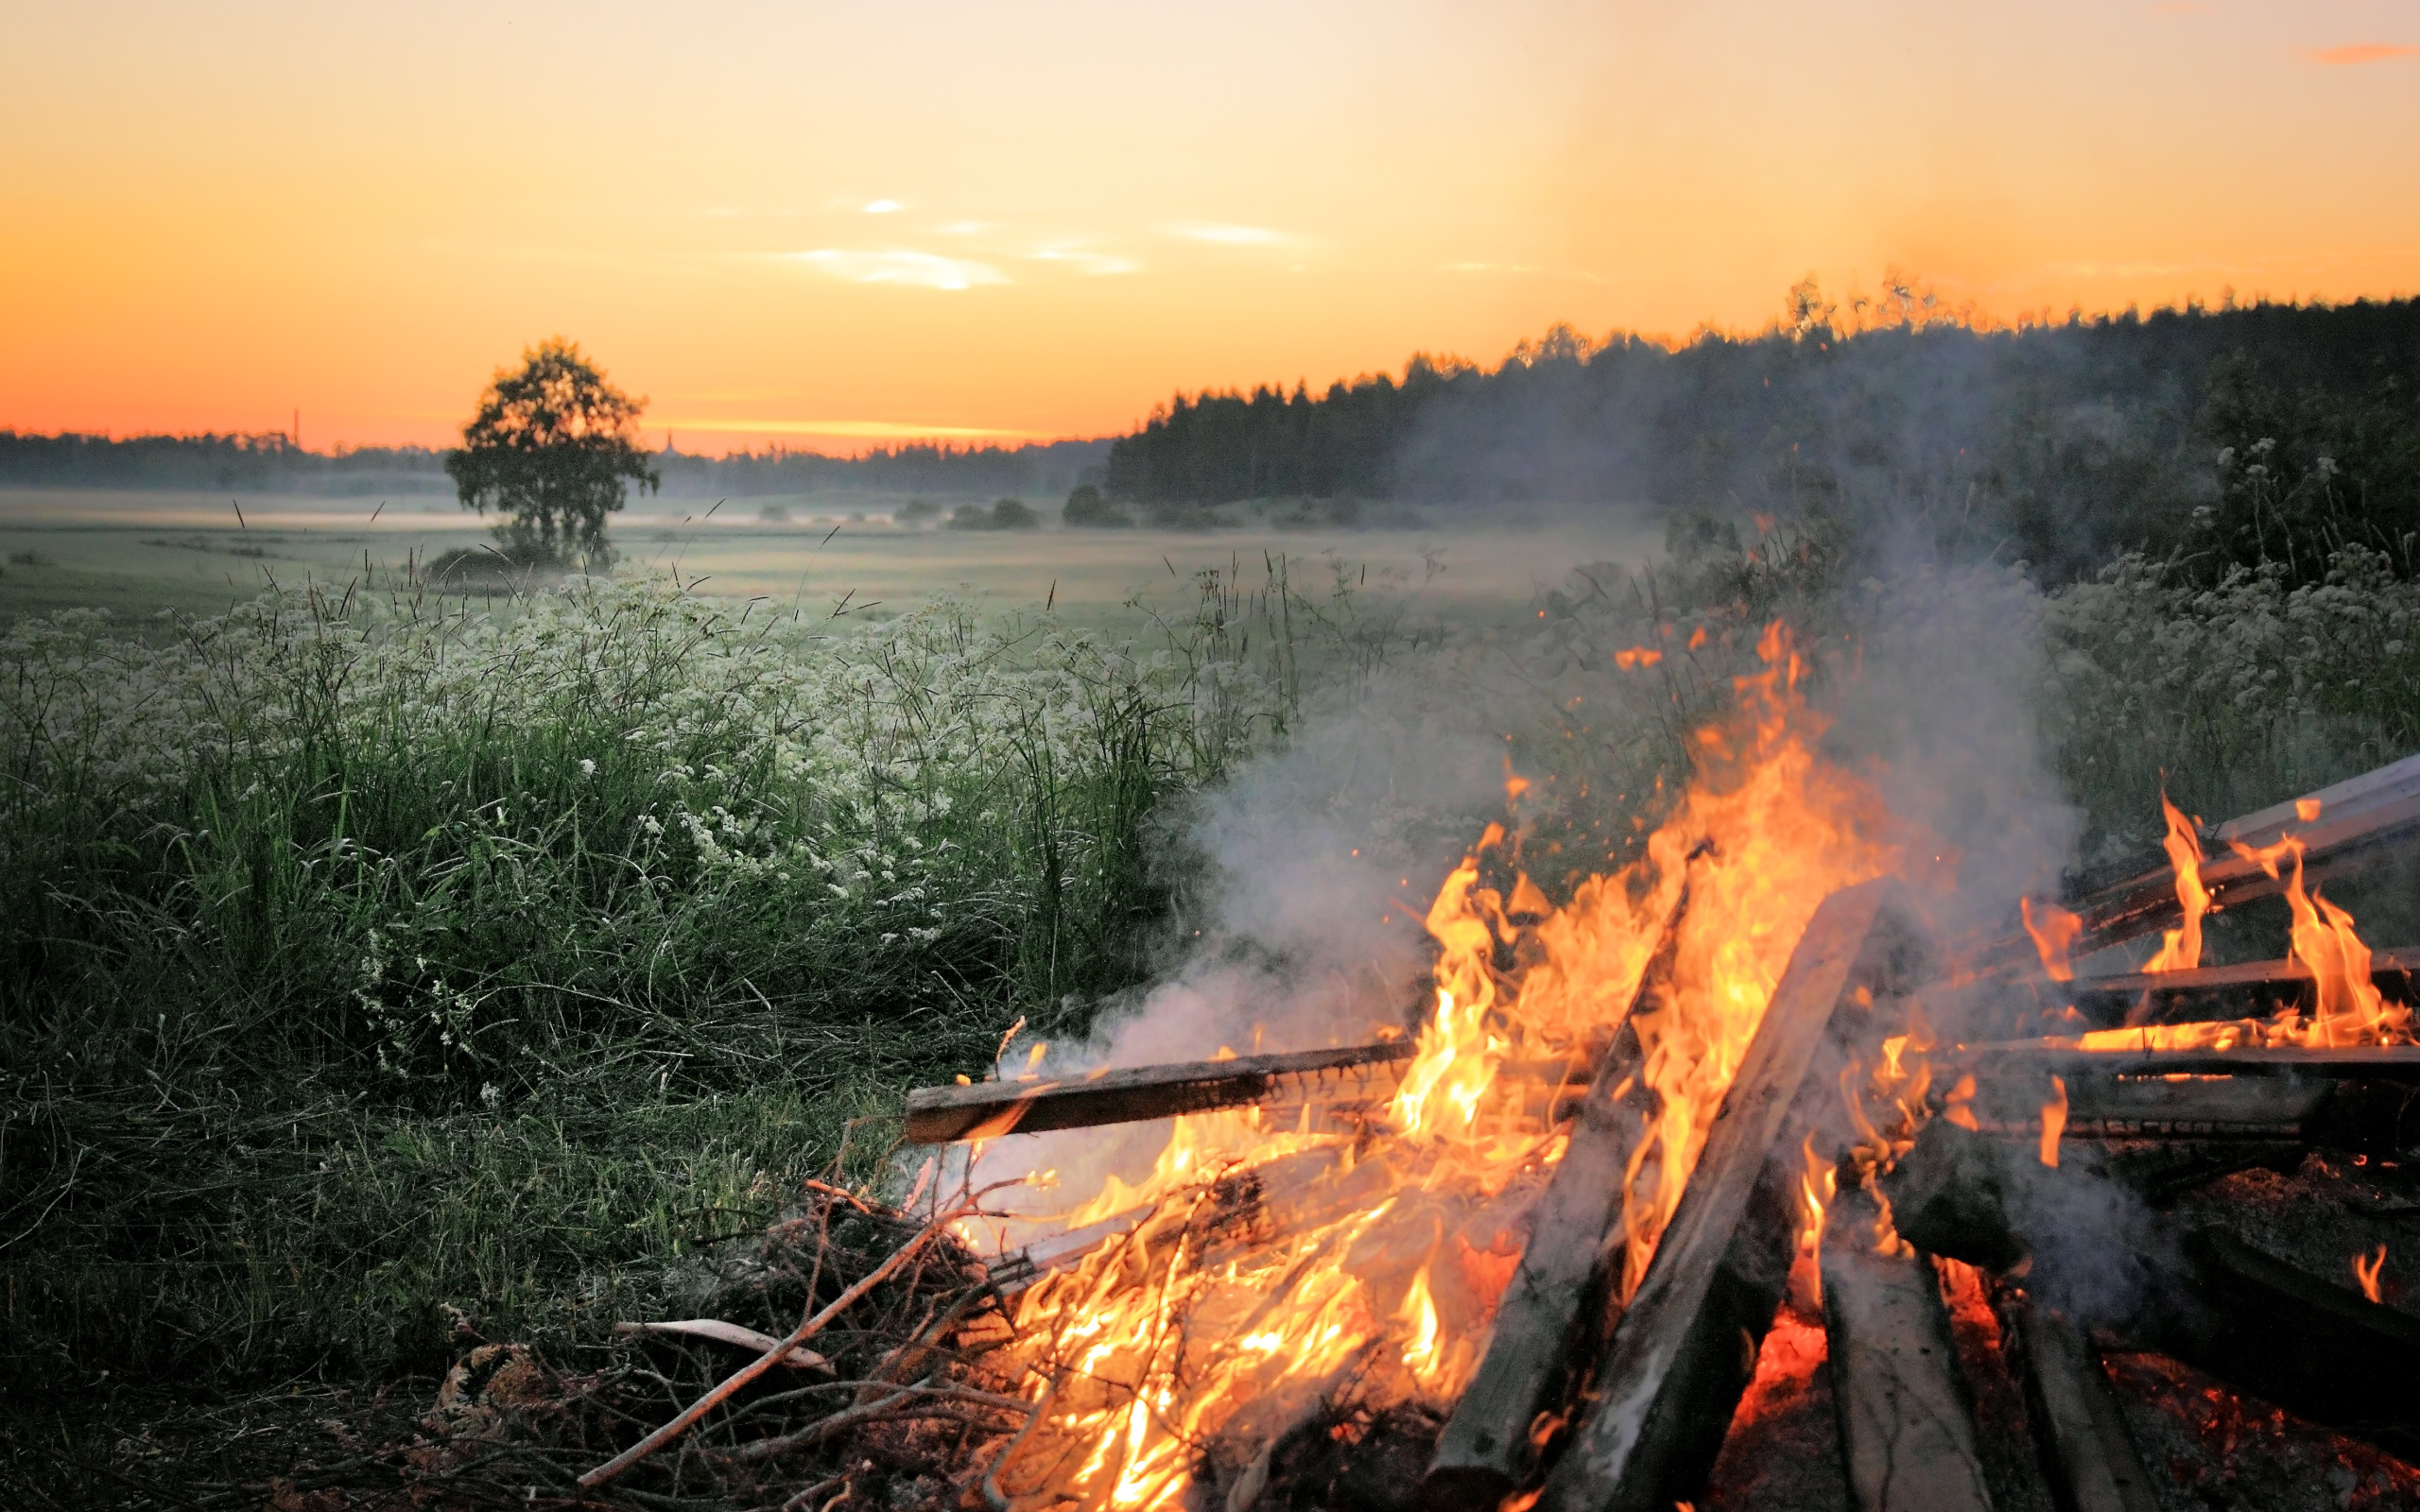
(552, 450)
(1087, 507)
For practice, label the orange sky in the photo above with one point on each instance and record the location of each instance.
(826, 224)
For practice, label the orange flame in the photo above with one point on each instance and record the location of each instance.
(2054, 1121)
(2366, 1272)
(2348, 1008)
(1161, 1341)
(1636, 656)
(2054, 931)
(2181, 951)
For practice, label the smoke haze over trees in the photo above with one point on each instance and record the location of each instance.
(2059, 443)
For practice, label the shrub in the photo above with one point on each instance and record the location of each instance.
(1005, 514)
(1088, 509)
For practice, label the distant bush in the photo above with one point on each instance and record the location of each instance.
(1088, 509)
(916, 511)
(1004, 514)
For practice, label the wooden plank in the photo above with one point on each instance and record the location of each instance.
(2201, 1294)
(2009, 1101)
(987, 1109)
(1672, 1378)
(2360, 821)
(1343, 1086)
(2249, 990)
(1907, 1418)
(2086, 1449)
(1563, 1300)
(2044, 1058)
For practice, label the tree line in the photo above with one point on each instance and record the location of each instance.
(2266, 431)
(270, 461)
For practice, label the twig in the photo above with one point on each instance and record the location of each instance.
(746, 1373)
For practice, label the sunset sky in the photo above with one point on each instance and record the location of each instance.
(826, 225)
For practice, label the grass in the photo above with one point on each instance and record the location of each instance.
(375, 966)
(367, 955)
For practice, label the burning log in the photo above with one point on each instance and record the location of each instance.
(1554, 1317)
(1907, 1423)
(2086, 1450)
(1686, 1349)
(987, 1109)
(2350, 826)
(2200, 1295)
(2250, 990)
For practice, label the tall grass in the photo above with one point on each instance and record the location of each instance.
(364, 955)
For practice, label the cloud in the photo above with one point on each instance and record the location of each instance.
(923, 270)
(883, 207)
(1099, 265)
(1226, 236)
(2366, 52)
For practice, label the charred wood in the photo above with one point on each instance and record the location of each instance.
(2090, 1456)
(1685, 1348)
(1906, 1420)
(2200, 1295)
(987, 1109)
(1344, 1086)
(1561, 1305)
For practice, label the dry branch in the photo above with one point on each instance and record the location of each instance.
(806, 1329)
(1907, 1418)
(1685, 1351)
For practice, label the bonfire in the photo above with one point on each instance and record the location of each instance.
(1733, 1136)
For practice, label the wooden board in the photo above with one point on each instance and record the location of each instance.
(2086, 1449)
(987, 1109)
(2360, 821)
(2040, 1058)
(1907, 1418)
(2247, 990)
(2266, 1106)
(1684, 1350)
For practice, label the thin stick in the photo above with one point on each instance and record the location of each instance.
(750, 1371)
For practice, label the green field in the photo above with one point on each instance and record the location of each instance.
(133, 552)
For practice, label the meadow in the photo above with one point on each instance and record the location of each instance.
(385, 967)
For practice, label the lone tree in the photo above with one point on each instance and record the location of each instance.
(551, 451)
